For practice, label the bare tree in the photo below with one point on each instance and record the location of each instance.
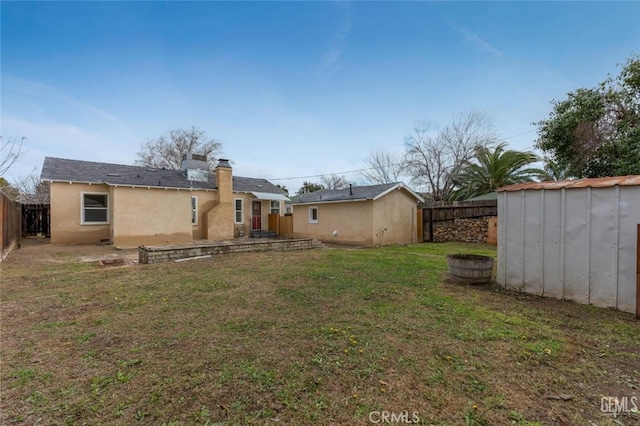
(433, 159)
(10, 151)
(167, 150)
(334, 182)
(31, 189)
(384, 167)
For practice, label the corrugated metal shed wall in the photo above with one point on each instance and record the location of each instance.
(571, 243)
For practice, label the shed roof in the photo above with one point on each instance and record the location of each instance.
(355, 193)
(604, 182)
(66, 170)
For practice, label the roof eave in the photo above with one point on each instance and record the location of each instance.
(330, 201)
(399, 186)
(129, 185)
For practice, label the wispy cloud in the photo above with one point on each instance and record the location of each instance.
(331, 62)
(477, 41)
(56, 123)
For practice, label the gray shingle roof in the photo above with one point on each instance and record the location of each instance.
(356, 193)
(65, 170)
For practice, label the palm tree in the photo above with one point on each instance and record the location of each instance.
(492, 169)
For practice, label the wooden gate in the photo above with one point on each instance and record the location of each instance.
(36, 220)
(281, 225)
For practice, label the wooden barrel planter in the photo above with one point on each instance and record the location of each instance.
(470, 268)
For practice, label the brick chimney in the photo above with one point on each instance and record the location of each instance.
(224, 181)
(220, 217)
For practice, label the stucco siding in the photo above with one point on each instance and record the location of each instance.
(206, 201)
(151, 216)
(66, 215)
(394, 218)
(352, 221)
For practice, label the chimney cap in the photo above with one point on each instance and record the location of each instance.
(223, 162)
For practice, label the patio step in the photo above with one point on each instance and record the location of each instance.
(264, 234)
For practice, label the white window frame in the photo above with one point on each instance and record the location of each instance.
(194, 211)
(236, 211)
(274, 210)
(311, 219)
(82, 208)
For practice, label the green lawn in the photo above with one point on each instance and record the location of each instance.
(316, 337)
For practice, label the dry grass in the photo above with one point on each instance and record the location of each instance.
(315, 337)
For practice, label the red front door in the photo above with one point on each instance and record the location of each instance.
(256, 215)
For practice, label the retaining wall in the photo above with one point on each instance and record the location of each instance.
(168, 253)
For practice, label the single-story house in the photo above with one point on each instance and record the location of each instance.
(128, 206)
(365, 215)
(572, 239)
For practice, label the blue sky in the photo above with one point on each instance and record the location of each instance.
(292, 88)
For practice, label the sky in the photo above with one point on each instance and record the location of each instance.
(292, 89)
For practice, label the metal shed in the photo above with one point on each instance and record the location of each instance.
(574, 239)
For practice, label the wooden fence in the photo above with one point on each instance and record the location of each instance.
(10, 224)
(281, 225)
(444, 214)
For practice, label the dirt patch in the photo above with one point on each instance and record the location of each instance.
(40, 250)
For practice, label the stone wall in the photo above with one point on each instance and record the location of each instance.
(168, 253)
(464, 230)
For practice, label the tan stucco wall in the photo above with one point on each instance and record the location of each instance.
(150, 216)
(153, 216)
(394, 218)
(390, 219)
(66, 215)
(206, 201)
(353, 222)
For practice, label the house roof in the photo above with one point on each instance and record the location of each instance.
(355, 193)
(65, 170)
(604, 182)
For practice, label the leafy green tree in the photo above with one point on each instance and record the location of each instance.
(554, 172)
(9, 190)
(309, 187)
(284, 188)
(596, 132)
(494, 168)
